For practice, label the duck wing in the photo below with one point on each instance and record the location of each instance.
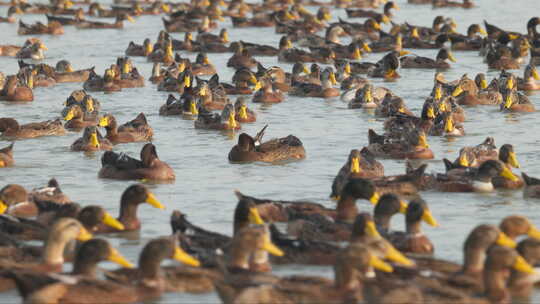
(120, 161)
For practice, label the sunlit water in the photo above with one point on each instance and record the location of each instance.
(205, 179)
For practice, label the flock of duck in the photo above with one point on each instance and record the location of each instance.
(372, 262)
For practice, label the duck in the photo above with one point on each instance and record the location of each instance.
(361, 13)
(52, 28)
(324, 90)
(180, 25)
(449, 3)
(508, 157)
(251, 149)
(360, 164)
(471, 41)
(34, 51)
(267, 93)
(528, 82)
(123, 167)
(6, 157)
(91, 141)
(225, 121)
(480, 180)
(140, 50)
(10, 128)
(135, 130)
(33, 285)
(413, 145)
(351, 268)
(118, 23)
(413, 240)
(516, 102)
(64, 72)
(467, 93)
(256, 49)
(211, 94)
(147, 282)
(15, 90)
(51, 257)
(76, 118)
(202, 66)
(444, 125)
(242, 58)
(10, 18)
(174, 106)
(363, 98)
(243, 113)
(97, 83)
(289, 54)
(532, 188)
(387, 67)
(413, 62)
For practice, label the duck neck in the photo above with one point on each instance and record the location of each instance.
(150, 268)
(112, 127)
(85, 266)
(473, 262)
(259, 261)
(413, 227)
(326, 84)
(346, 277)
(239, 258)
(53, 253)
(346, 209)
(383, 221)
(128, 213)
(495, 285)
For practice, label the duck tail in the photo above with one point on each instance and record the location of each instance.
(530, 181)
(448, 164)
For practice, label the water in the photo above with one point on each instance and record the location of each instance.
(205, 180)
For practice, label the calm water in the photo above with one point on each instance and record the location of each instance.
(205, 180)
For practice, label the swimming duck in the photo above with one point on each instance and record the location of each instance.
(76, 118)
(51, 258)
(471, 41)
(414, 240)
(387, 67)
(202, 66)
(255, 49)
(289, 54)
(64, 72)
(444, 125)
(166, 55)
(124, 167)
(6, 157)
(360, 164)
(52, 28)
(516, 102)
(467, 93)
(135, 130)
(508, 157)
(351, 268)
(532, 188)
(528, 82)
(140, 50)
(363, 98)
(325, 90)
(267, 93)
(331, 38)
(480, 180)
(10, 128)
(412, 62)
(16, 90)
(173, 106)
(251, 149)
(211, 93)
(361, 13)
(10, 18)
(449, 3)
(412, 145)
(225, 121)
(91, 141)
(243, 113)
(106, 83)
(118, 23)
(242, 58)
(34, 51)
(181, 25)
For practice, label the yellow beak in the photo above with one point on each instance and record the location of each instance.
(533, 232)
(508, 101)
(379, 264)
(429, 219)
(112, 222)
(153, 201)
(271, 248)
(69, 116)
(104, 121)
(521, 265)
(430, 113)
(193, 108)
(504, 240)
(181, 256)
(458, 90)
(3, 207)
(464, 160)
(483, 84)
(2, 165)
(449, 125)
(510, 83)
(347, 68)
(84, 235)
(243, 112)
(232, 120)
(371, 230)
(506, 173)
(395, 255)
(451, 57)
(403, 207)
(357, 55)
(385, 19)
(355, 165)
(187, 82)
(374, 199)
(94, 140)
(116, 257)
(258, 86)
(535, 74)
(367, 48)
(423, 141)
(254, 217)
(482, 32)
(512, 160)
